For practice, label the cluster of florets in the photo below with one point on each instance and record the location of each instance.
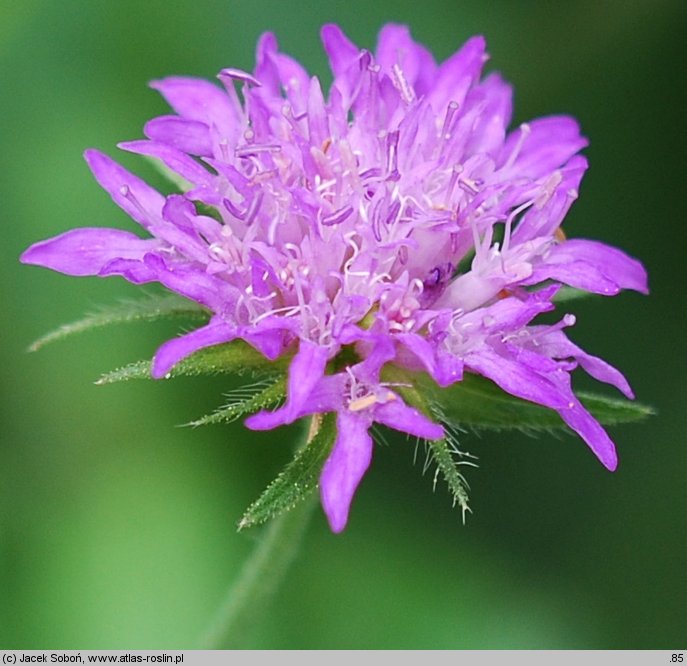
(396, 217)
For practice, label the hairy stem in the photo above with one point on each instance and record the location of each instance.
(260, 577)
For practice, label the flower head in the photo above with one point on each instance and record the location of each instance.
(395, 220)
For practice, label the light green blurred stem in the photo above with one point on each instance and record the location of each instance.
(259, 579)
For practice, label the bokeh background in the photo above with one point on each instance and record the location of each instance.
(118, 526)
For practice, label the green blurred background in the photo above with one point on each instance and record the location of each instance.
(118, 526)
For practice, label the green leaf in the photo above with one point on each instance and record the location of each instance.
(246, 400)
(298, 479)
(235, 357)
(151, 308)
(479, 403)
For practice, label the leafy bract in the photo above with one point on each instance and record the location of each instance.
(264, 394)
(477, 402)
(298, 479)
(154, 307)
(235, 357)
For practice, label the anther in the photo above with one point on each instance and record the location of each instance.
(448, 120)
(253, 149)
(233, 209)
(238, 75)
(126, 192)
(337, 217)
(547, 190)
(253, 208)
(392, 155)
(401, 84)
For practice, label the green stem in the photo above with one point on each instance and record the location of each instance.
(259, 579)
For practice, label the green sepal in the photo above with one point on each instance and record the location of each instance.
(264, 394)
(566, 294)
(179, 182)
(208, 211)
(235, 357)
(478, 403)
(609, 411)
(297, 480)
(151, 308)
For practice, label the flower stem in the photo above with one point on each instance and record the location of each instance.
(259, 578)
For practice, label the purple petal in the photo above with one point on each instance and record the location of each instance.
(613, 264)
(305, 372)
(587, 427)
(306, 369)
(326, 396)
(515, 378)
(173, 351)
(234, 74)
(343, 59)
(274, 68)
(317, 114)
(195, 284)
(345, 467)
(265, 420)
(377, 349)
(189, 136)
(133, 270)
(270, 343)
(444, 368)
(455, 76)
(85, 251)
(176, 160)
(495, 97)
(199, 100)
(265, 69)
(543, 219)
(397, 415)
(551, 142)
(556, 345)
(511, 314)
(395, 46)
(578, 274)
(130, 193)
(181, 233)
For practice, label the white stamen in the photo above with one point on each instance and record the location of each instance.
(525, 130)
(401, 84)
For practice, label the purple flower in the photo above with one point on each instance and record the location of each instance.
(396, 219)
